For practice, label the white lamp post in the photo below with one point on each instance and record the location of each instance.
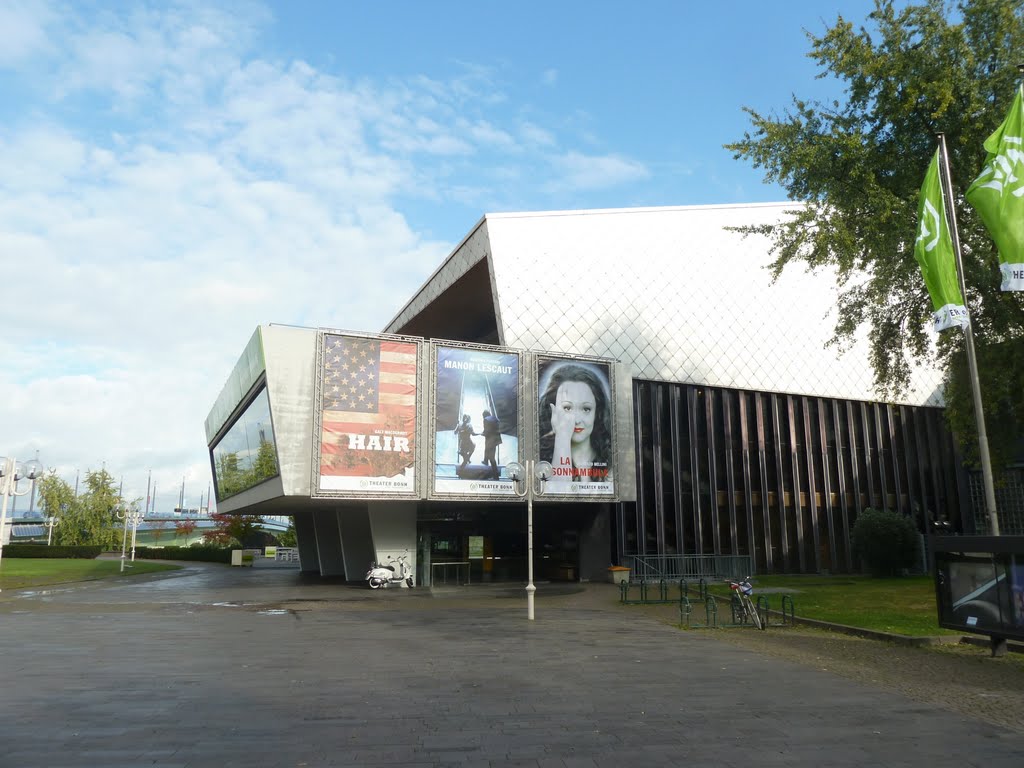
(11, 471)
(122, 514)
(532, 477)
(50, 523)
(130, 516)
(136, 516)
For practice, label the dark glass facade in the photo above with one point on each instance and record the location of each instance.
(780, 477)
(247, 453)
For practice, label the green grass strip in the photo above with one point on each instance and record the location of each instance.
(18, 573)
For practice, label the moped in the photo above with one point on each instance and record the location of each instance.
(383, 575)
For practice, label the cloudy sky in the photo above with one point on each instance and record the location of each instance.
(174, 174)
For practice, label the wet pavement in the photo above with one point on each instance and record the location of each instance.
(219, 666)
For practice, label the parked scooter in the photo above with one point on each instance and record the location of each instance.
(381, 575)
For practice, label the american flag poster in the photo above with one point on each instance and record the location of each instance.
(368, 437)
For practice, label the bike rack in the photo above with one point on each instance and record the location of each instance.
(762, 609)
(685, 611)
(711, 611)
(787, 600)
(646, 597)
(686, 606)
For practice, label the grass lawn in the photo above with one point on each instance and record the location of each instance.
(905, 606)
(22, 573)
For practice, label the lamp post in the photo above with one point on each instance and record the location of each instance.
(50, 523)
(122, 515)
(11, 471)
(130, 516)
(136, 518)
(532, 477)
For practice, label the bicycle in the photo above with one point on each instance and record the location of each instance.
(743, 606)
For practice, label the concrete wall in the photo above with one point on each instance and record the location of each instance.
(393, 529)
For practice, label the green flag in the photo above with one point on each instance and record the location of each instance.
(934, 252)
(998, 194)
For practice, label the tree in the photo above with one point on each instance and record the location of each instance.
(231, 529)
(56, 497)
(92, 517)
(288, 538)
(857, 164)
(184, 529)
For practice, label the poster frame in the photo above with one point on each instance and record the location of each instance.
(316, 492)
(613, 463)
(430, 422)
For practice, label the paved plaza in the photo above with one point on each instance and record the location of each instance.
(214, 666)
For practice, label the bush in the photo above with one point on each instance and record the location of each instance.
(199, 552)
(81, 552)
(887, 542)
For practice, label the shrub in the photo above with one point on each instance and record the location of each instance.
(81, 551)
(887, 542)
(198, 552)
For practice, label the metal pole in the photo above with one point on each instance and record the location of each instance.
(5, 488)
(972, 360)
(124, 538)
(530, 587)
(135, 528)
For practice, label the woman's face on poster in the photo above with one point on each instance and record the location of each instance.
(575, 398)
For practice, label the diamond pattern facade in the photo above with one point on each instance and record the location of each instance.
(670, 291)
(752, 436)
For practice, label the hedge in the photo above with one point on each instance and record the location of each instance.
(82, 552)
(200, 552)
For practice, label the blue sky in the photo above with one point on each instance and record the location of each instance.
(174, 174)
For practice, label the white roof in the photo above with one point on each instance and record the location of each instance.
(672, 292)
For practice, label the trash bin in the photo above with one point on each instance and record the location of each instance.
(618, 574)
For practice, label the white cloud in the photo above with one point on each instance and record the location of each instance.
(167, 190)
(23, 30)
(576, 171)
(549, 77)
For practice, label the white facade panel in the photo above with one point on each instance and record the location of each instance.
(291, 372)
(678, 297)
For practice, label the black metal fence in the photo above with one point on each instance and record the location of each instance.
(690, 567)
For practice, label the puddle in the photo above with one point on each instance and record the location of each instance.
(274, 612)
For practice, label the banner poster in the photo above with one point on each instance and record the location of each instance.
(368, 433)
(575, 422)
(476, 426)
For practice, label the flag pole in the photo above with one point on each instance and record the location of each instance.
(972, 360)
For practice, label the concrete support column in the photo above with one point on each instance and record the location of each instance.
(393, 531)
(356, 540)
(305, 541)
(328, 543)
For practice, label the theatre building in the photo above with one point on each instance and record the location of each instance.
(687, 405)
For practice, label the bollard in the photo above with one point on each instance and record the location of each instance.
(684, 588)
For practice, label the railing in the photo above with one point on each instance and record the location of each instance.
(694, 567)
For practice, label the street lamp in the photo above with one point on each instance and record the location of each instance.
(50, 523)
(129, 516)
(532, 477)
(11, 471)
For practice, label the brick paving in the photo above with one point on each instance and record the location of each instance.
(213, 666)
